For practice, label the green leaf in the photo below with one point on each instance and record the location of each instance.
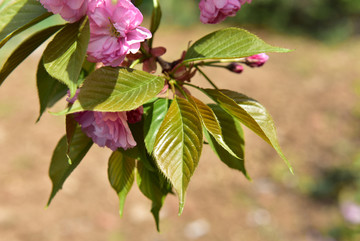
(116, 89)
(17, 16)
(251, 113)
(49, 89)
(65, 54)
(233, 137)
(25, 49)
(211, 124)
(60, 168)
(178, 145)
(121, 173)
(137, 130)
(150, 184)
(153, 121)
(229, 43)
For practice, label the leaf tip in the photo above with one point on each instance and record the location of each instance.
(181, 207)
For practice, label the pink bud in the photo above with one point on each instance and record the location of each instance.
(235, 67)
(257, 60)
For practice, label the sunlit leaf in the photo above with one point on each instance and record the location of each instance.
(17, 16)
(60, 168)
(249, 112)
(49, 89)
(229, 43)
(178, 145)
(233, 137)
(64, 56)
(25, 49)
(151, 186)
(153, 121)
(211, 124)
(116, 89)
(121, 173)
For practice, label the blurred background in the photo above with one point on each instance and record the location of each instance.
(312, 93)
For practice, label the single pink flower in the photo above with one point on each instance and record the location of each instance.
(109, 129)
(257, 60)
(70, 10)
(235, 67)
(215, 11)
(114, 31)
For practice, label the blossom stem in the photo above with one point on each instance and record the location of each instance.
(134, 63)
(207, 78)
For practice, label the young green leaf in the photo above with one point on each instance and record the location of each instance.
(150, 185)
(153, 121)
(233, 137)
(25, 49)
(17, 16)
(178, 145)
(121, 173)
(249, 112)
(211, 124)
(229, 43)
(65, 54)
(116, 89)
(60, 168)
(49, 89)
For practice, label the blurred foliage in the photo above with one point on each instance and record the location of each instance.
(330, 20)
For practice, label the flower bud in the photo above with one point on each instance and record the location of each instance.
(257, 60)
(235, 67)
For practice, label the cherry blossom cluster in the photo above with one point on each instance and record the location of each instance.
(115, 29)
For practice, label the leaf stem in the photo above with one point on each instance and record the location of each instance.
(207, 78)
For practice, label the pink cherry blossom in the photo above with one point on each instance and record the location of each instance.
(114, 31)
(257, 60)
(109, 129)
(70, 10)
(215, 11)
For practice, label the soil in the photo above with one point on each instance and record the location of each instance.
(311, 95)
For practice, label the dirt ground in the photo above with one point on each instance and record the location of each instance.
(311, 96)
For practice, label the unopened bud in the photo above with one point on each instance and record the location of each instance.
(235, 67)
(257, 60)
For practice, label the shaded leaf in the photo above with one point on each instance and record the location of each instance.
(64, 56)
(60, 169)
(150, 184)
(137, 130)
(17, 16)
(49, 89)
(153, 121)
(211, 124)
(25, 49)
(229, 43)
(233, 137)
(121, 173)
(249, 112)
(116, 89)
(178, 145)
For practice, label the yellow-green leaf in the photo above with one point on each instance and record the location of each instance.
(251, 113)
(116, 89)
(178, 145)
(229, 43)
(65, 54)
